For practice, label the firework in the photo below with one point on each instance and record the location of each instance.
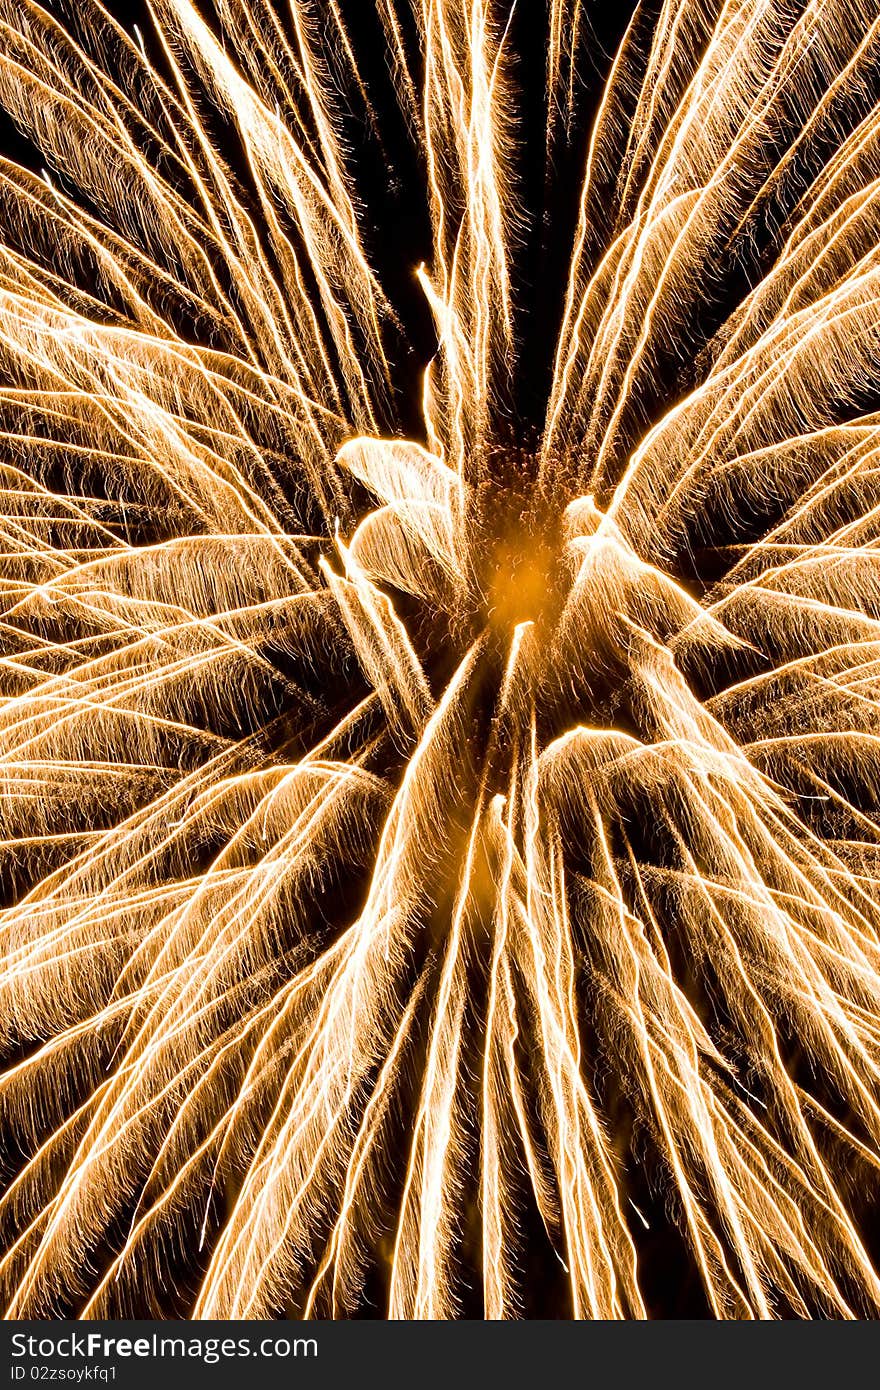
(441, 854)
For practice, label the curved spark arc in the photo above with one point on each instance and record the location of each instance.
(424, 857)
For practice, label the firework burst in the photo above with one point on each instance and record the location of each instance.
(441, 852)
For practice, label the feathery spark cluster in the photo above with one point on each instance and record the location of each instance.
(434, 866)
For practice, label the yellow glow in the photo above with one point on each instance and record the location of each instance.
(367, 860)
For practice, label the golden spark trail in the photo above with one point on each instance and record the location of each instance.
(440, 834)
